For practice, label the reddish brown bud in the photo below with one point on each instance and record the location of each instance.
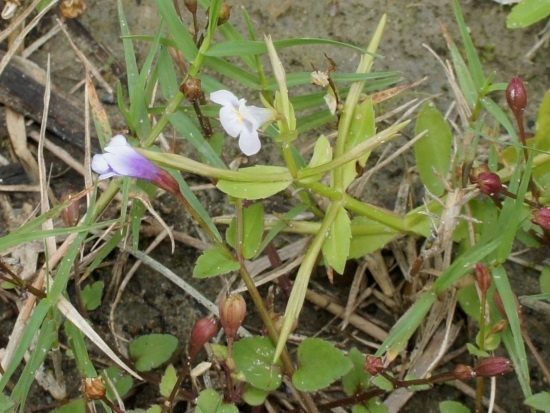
(225, 13)
(541, 217)
(191, 6)
(374, 365)
(232, 314)
(191, 88)
(93, 388)
(203, 331)
(493, 366)
(462, 372)
(516, 96)
(71, 214)
(488, 182)
(483, 277)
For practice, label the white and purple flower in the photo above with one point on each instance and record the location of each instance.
(121, 159)
(241, 120)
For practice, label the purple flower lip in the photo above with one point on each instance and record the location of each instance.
(121, 159)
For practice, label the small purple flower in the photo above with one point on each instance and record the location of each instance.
(241, 120)
(121, 159)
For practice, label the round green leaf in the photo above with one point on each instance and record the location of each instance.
(152, 350)
(254, 358)
(209, 401)
(254, 396)
(319, 365)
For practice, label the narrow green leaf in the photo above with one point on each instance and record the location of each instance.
(433, 151)
(545, 280)
(337, 244)
(152, 350)
(368, 236)
(362, 127)
(542, 135)
(214, 261)
(322, 153)
(528, 12)
(184, 41)
(168, 381)
(253, 230)
(46, 337)
(254, 189)
(254, 358)
(449, 406)
(476, 68)
(319, 365)
(539, 401)
(75, 406)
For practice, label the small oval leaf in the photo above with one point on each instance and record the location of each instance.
(215, 261)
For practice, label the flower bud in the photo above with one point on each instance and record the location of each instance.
(516, 96)
(483, 277)
(232, 314)
(493, 366)
(462, 372)
(192, 89)
(191, 6)
(93, 388)
(374, 365)
(225, 13)
(202, 332)
(488, 182)
(541, 217)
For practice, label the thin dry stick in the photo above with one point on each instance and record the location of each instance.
(359, 322)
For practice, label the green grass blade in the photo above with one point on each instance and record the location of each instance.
(47, 336)
(28, 336)
(474, 63)
(183, 40)
(80, 351)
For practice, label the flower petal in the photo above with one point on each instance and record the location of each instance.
(249, 142)
(231, 121)
(101, 167)
(224, 98)
(258, 116)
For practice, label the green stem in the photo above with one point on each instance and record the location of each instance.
(297, 296)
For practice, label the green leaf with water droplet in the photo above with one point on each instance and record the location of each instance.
(254, 357)
(214, 261)
(527, 12)
(319, 365)
(152, 350)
